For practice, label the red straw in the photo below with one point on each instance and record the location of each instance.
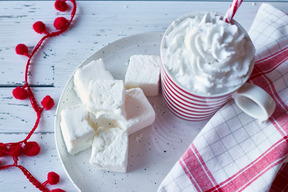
(232, 10)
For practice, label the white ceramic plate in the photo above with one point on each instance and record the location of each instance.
(152, 151)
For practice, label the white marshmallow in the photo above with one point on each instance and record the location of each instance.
(76, 130)
(144, 72)
(139, 111)
(93, 70)
(102, 121)
(110, 149)
(107, 98)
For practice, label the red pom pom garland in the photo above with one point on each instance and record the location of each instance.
(32, 148)
(20, 93)
(58, 190)
(61, 5)
(3, 150)
(15, 150)
(39, 27)
(53, 178)
(22, 49)
(60, 22)
(47, 102)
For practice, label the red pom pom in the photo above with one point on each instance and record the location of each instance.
(61, 5)
(31, 148)
(15, 150)
(57, 190)
(39, 27)
(3, 148)
(60, 22)
(19, 93)
(47, 102)
(21, 49)
(53, 178)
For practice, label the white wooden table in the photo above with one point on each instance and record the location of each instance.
(97, 24)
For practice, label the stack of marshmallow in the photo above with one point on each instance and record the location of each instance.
(111, 110)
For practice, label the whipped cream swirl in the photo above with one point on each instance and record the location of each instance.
(207, 55)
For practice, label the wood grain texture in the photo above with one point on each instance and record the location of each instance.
(97, 24)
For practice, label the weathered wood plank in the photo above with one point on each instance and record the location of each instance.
(18, 115)
(96, 25)
(39, 166)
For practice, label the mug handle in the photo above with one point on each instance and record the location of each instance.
(254, 101)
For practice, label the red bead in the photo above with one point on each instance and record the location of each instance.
(53, 178)
(21, 49)
(61, 5)
(19, 93)
(60, 22)
(15, 150)
(31, 148)
(39, 27)
(47, 102)
(57, 190)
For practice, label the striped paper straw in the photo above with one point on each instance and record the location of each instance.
(232, 10)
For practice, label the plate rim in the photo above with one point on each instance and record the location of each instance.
(57, 111)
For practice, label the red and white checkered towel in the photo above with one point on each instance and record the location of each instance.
(235, 152)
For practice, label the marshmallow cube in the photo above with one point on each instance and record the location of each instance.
(92, 71)
(107, 98)
(139, 111)
(76, 130)
(110, 149)
(144, 72)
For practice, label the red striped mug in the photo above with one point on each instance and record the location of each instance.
(189, 104)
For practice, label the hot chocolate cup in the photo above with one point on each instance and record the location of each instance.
(194, 105)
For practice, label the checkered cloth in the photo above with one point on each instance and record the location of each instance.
(235, 152)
